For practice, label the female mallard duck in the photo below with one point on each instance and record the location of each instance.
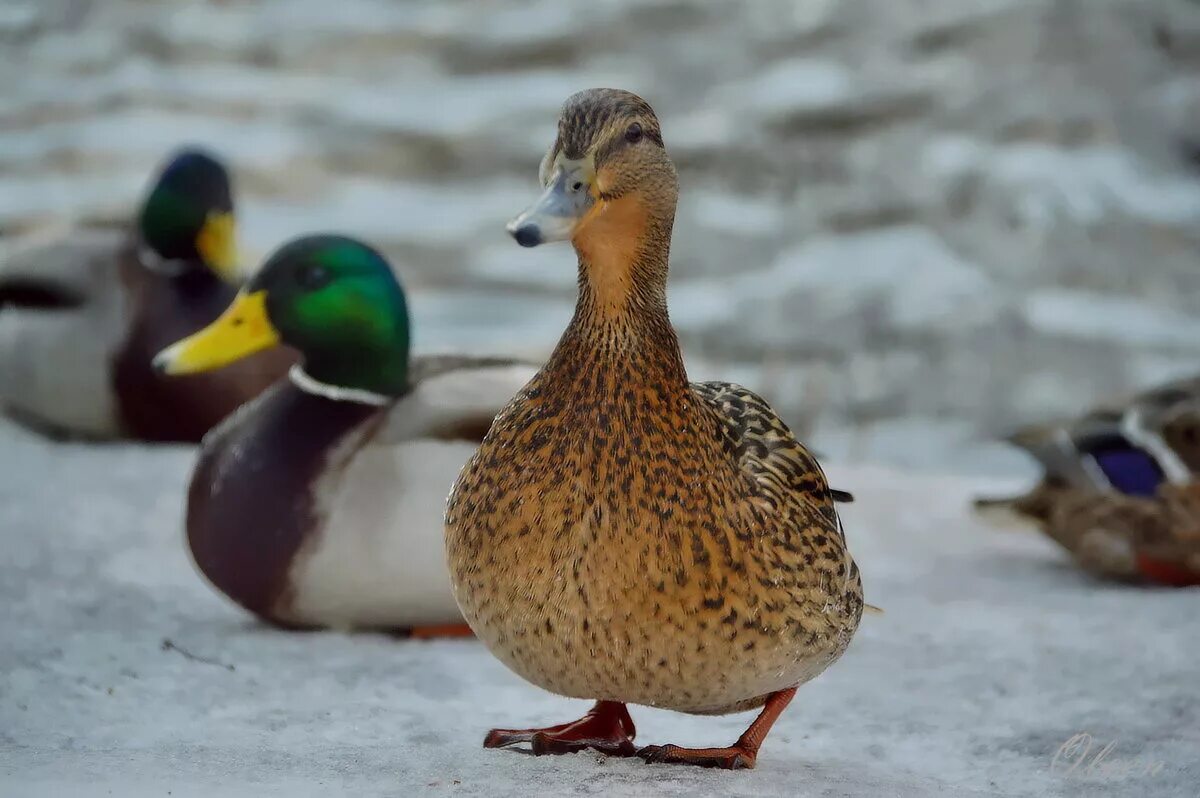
(82, 315)
(320, 503)
(1120, 490)
(623, 534)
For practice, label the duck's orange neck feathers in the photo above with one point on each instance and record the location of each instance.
(621, 321)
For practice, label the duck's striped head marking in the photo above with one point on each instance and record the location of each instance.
(609, 146)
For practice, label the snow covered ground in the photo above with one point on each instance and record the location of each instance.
(122, 674)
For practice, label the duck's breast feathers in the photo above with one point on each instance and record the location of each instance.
(764, 446)
(256, 491)
(454, 397)
(381, 561)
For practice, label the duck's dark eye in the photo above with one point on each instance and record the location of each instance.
(633, 133)
(312, 276)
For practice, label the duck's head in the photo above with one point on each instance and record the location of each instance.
(187, 216)
(607, 177)
(334, 299)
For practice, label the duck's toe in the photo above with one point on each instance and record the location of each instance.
(731, 758)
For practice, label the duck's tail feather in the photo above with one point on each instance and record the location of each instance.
(1002, 512)
(842, 496)
(871, 609)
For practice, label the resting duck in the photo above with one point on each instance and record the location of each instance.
(623, 534)
(82, 314)
(1119, 489)
(320, 503)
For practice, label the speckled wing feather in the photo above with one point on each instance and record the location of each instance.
(424, 367)
(1172, 394)
(453, 397)
(766, 448)
(1180, 430)
(1130, 537)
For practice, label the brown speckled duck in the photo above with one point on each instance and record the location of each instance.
(83, 312)
(320, 503)
(1120, 488)
(626, 535)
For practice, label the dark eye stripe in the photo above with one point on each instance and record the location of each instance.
(616, 142)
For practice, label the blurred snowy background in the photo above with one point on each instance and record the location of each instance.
(913, 224)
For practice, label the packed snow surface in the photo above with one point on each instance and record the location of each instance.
(122, 673)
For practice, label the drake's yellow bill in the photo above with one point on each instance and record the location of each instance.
(241, 330)
(217, 245)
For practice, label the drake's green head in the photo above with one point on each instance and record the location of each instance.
(333, 298)
(188, 214)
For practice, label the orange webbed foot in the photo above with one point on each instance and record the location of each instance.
(1162, 572)
(607, 728)
(742, 754)
(440, 631)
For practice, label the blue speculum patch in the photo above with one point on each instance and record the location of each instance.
(1129, 469)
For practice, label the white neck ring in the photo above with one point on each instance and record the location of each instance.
(302, 380)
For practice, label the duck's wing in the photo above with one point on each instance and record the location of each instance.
(1179, 430)
(60, 268)
(1119, 450)
(426, 367)
(766, 449)
(1130, 448)
(1119, 488)
(454, 397)
(1181, 391)
(1088, 461)
(62, 317)
(784, 469)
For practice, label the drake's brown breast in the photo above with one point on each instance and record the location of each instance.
(253, 503)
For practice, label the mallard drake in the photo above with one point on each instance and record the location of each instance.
(1119, 488)
(83, 312)
(320, 503)
(623, 534)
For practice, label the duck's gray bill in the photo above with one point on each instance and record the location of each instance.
(553, 217)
